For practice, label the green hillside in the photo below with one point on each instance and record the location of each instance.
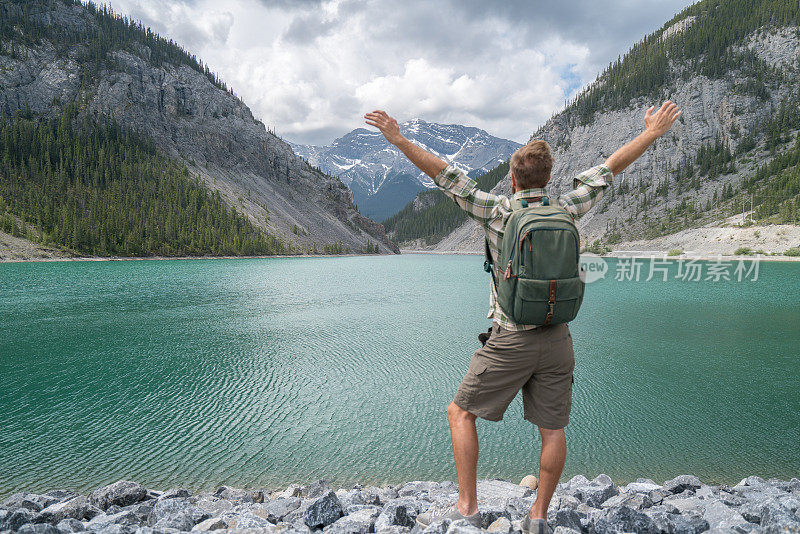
(88, 185)
(439, 216)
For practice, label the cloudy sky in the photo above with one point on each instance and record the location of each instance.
(310, 69)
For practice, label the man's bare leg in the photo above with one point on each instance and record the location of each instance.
(465, 453)
(551, 463)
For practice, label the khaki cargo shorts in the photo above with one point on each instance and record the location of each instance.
(539, 362)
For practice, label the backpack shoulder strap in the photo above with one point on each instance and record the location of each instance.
(488, 264)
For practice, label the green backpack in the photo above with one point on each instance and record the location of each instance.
(537, 279)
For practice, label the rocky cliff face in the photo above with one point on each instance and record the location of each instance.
(383, 180)
(723, 109)
(192, 119)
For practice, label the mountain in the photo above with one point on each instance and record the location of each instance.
(116, 113)
(381, 177)
(733, 67)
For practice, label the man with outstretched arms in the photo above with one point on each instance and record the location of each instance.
(537, 359)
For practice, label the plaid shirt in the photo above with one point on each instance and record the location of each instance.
(492, 211)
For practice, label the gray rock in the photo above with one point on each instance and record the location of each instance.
(594, 492)
(623, 519)
(417, 488)
(501, 524)
(323, 511)
(318, 489)
(276, 510)
(126, 517)
(493, 510)
(61, 494)
(566, 530)
(114, 528)
(71, 508)
(681, 483)
(176, 513)
(175, 493)
(567, 517)
(637, 501)
(212, 523)
(121, 493)
(776, 518)
(517, 507)
(645, 486)
(38, 528)
(26, 500)
(214, 505)
(247, 520)
(394, 529)
(492, 489)
(720, 516)
(70, 525)
(233, 494)
(371, 495)
(751, 511)
(402, 512)
(437, 527)
(293, 490)
(359, 522)
(462, 527)
(689, 523)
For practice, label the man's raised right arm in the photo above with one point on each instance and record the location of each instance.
(656, 124)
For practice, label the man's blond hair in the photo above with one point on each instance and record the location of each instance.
(531, 164)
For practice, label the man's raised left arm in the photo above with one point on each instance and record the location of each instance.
(478, 204)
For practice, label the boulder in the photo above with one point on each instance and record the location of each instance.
(462, 527)
(490, 489)
(359, 522)
(70, 525)
(492, 511)
(501, 525)
(645, 486)
(690, 523)
(38, 528)
(175, 493)
(122, 493)
(323, 511)
(318, 489)
(177, 513)
(126, 517)
(214, 505)
(402, 512)
(416, 488)
(437, 527)
(637, 501)
(212, 523)
(594, 492)
(623, 519)
(74, 508)
(293, 490)
(530, 482)
(777, 518)
(26, 500)
(233, 494)
(681, 483)
(567, 517)
(719, 515)
(247, 520)
(275, 510)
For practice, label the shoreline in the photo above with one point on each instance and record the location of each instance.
(617, 254)
(637, 254)
(682, 504)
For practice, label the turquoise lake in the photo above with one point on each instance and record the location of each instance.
(263, 372)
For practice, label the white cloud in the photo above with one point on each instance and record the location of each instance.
(311, 70)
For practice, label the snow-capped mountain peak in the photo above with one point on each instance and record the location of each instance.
(382, 178)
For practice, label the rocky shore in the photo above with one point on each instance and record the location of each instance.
(681, 505)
